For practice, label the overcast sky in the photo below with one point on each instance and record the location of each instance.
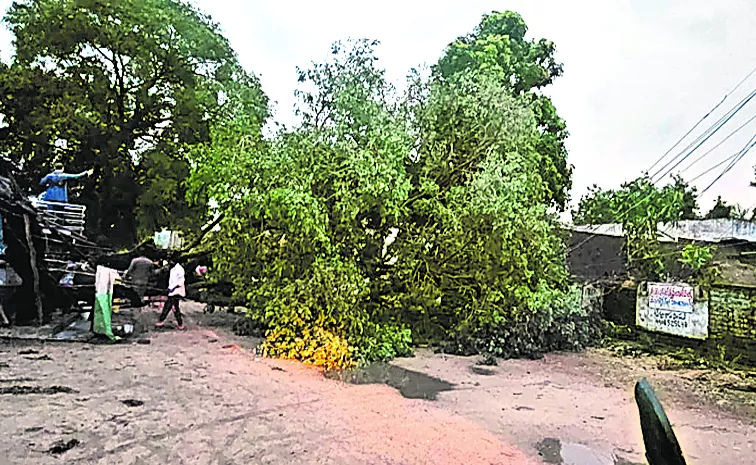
(637, 73)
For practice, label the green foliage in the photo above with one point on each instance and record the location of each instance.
(130, 86)
(479, 242)
(306, 214)
(390, 341)
(384, 220)
(696, 257)
(641, 206)
(601, 206)
(549, 320)
(595, 207)
(499, 49)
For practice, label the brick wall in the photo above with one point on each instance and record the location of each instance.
(732, 320)
(732, 312)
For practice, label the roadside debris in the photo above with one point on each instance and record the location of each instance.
(479, 370)
(132, 402)
(41, 358)
(24, 390)
(61, 447)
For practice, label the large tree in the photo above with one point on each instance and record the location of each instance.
(130, 86)
(522, 67)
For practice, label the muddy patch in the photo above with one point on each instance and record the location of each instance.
(27, 390)
(41, 358)
(482, 371)
(554, 451)
(410, 384)
(16, 380)
(132, 403)
(61, 447)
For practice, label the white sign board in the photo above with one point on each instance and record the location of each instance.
(673, 309)
(672, 297)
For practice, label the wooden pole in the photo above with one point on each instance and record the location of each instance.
(3, 317)
(35, 270)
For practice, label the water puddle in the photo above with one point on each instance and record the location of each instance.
(411, 384)
(556, 452)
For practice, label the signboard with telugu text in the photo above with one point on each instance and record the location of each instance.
(672, 297)
(672, 308)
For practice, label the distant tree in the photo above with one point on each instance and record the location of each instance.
(595, 207)
(130, 86)
(498, 48)
(721, 210)
(689, 199)
(600, 206)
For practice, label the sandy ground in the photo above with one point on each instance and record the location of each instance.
(587, 399)
(205, 398)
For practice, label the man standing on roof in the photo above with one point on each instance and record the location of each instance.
(176, 291)
(56, 184)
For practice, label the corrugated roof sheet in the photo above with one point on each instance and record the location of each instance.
(714, 231)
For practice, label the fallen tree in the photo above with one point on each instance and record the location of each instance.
(383, 220)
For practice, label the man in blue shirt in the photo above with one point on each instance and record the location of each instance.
(56, 185)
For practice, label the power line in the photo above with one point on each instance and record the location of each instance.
(730, 158)
(712, 131)
(718, 145)
(701, 139)
(732, 164)
(712, 168)
(742, 81)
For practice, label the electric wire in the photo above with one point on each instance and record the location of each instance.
(698, 123)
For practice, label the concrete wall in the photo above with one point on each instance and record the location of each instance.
(595, 257)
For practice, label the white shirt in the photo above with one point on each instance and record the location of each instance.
(176, 282)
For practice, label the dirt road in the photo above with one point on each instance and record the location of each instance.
(196, 398)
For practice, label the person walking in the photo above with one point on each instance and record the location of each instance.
(176, 291)
(138, 277)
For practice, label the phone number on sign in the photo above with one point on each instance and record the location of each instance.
(670, 319)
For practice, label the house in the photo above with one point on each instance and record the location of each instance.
(595, 252)
(720, 314)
